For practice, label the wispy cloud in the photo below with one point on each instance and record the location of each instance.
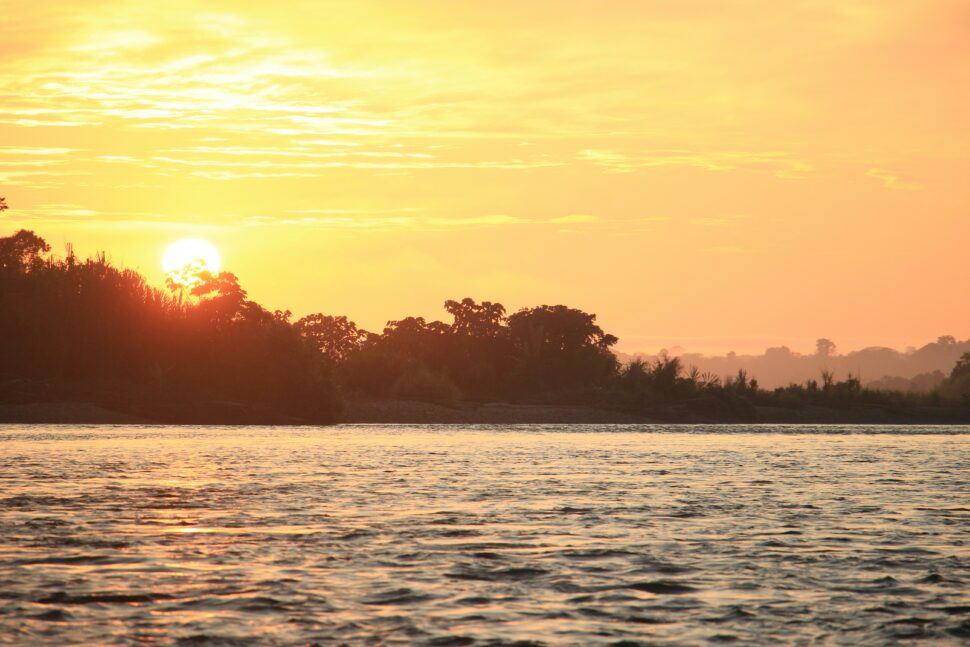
(634, 129)
(55, 210)
(576, 218)
(781, 164)
(34, 151)
(409, 218)
(891, 180)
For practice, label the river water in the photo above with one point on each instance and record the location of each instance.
(484, 535)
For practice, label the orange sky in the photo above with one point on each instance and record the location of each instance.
(716, 175)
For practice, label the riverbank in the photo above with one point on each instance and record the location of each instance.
(411, 412)
(68, 413)
(367, 411)
(355, 411)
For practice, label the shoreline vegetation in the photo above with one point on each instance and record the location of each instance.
(82, 341)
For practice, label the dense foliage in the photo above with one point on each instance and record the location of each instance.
(957, 385)
(208, 354)
(483, 354)
(202, 351)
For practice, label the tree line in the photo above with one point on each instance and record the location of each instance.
(84, 329)
(202, 351)
(921, 369)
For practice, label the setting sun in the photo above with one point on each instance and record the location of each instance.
(191, 252)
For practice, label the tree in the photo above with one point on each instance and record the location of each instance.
(476, 320)
(186, 277)
(22, 251)
(778, 353)
(962, 367)
(558, 347)
(958, 384)
(559, 327)
(418, 341)
(335, 337)
(405, 347)
(220, 295)
(414, 334)
(3, 204)
(664, 373)
(480, 349)
(824, 347)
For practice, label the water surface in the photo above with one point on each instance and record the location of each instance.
(479, 535)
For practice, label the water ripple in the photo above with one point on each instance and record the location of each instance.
(480, 535)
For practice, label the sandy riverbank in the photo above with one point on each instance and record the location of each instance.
(411, 412)
(498, 413)
(355, 411)
(77, 413)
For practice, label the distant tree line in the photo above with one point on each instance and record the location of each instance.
(920, 370)
(202, 351)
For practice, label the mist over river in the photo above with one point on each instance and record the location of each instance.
(484, 535)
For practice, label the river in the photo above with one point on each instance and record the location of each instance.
(484, 535)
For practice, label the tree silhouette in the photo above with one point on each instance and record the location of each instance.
(482, 353)
(335, 337)
(958, 383)
(824, 347)
(87, 329)
(22, 252)
(203, 352)
(476, 320)
(220, 296)
(182, 279)
(559, 347)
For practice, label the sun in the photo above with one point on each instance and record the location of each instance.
(185, 258)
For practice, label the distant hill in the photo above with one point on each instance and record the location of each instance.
(919, 370)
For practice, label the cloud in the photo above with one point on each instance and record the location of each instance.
(781, 164)
(34, 151)
(218, 169)
(574, 219)
(406, 218)
(38, 179)
(55, 212)
(891, 180)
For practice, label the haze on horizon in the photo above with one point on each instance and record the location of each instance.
(717, 176)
